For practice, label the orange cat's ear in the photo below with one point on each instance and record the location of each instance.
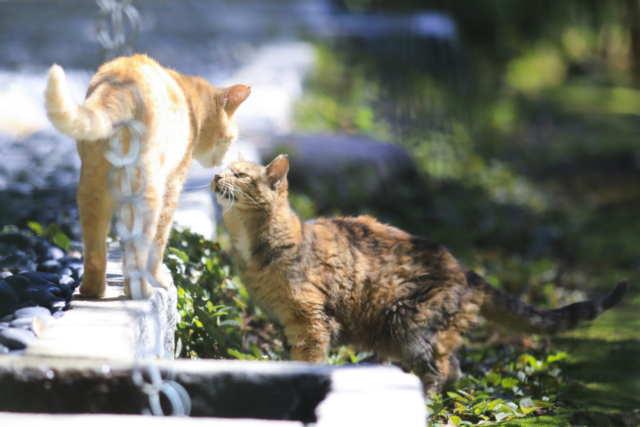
(240, 158)
(277, 170)
(233, 96)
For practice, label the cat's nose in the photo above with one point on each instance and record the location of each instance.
(217, 178)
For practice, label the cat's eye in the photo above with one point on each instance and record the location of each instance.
(240, 175)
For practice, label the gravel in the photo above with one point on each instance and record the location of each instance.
(37, 280)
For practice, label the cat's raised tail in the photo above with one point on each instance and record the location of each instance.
(76, 121)
(514, 314)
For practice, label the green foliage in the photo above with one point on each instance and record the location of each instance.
(217, 318)
(346, 356)
(53, 233)
(500, 384)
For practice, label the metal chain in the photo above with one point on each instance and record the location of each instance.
(127, 181)
(113, 12)
(176, 394)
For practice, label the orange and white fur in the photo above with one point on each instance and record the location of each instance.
(185, 117)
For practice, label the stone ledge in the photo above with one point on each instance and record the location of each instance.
(351, 395)
(113, 327)
(10, 419)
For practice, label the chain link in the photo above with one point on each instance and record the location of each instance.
(176, 394)
(111, 17)
(128, 181)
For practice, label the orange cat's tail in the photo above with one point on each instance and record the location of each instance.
(76, 121)
(514, 314)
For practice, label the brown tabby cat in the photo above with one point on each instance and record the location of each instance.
(185, 117)
(356, 281)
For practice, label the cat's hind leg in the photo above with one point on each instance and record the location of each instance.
(430, 357)
(454, 373)
(138, 259)
(309, 341)
(95, 205)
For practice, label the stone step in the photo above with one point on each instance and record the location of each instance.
(113, 327)
(290, 391)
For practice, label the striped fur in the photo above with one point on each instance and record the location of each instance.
(356, 281)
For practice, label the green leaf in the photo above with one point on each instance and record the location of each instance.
(230, 322)
(37, 227)
(236, 354)
(527, 406)
(494, 379)
(435, 407)
(555, 357)
(456, 396)
(501, 416)
(455, 420)
(62, 240)
(177, 252)
(509, 382)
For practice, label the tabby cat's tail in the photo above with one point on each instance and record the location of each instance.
(518, 315)
(76, 121)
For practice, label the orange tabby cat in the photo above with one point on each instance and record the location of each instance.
(185, 117)
(357, 281)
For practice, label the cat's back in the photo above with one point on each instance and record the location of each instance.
(165, 110)
(366, 235)
(367, 251)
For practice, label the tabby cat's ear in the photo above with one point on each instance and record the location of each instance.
(233, 96)
(277, 170)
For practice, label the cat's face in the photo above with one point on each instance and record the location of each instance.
(248, 186)
(223, 129)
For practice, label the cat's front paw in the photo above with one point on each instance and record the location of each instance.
(145, 291)
(164, 278)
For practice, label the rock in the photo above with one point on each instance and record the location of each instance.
(22, 322)
(78, 272)
(4, 274)
(40, 246)
(16, 339)
(67, 280)
(66, 271)
(54, 253)
(6, 291)
(17, 239)
(6, 319)
(69, 260)
(4, 349)
(30, 312)
(58, 314)
(72, 229)
(75, 265)
(50, 266)
(56, 306)
(17, 282)
(43, 297)
(18, 261)
(4, 325)
(323, 165)
(41, 278)
(8, 299)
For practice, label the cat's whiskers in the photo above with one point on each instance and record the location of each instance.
(242, 193)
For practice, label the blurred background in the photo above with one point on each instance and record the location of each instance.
(506, 130)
